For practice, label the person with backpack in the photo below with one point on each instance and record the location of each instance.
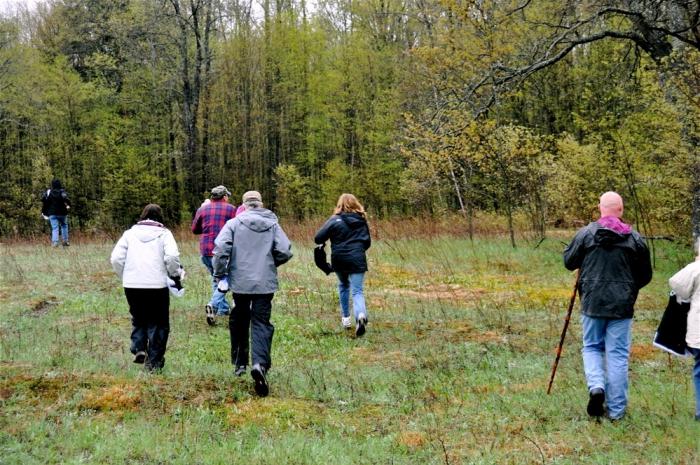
(145, 257)
(247, 253)
(55, 206)
(614, 264)
(208, 221)
(686, 285)
(349, 234)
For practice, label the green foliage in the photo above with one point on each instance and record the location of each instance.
(413, 106)
(293, 192)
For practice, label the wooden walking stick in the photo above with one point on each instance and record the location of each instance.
(563, 331)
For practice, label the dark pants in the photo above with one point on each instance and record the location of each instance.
(251, 315)
(150, 317)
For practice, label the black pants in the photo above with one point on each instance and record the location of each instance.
(251, 315)
(150, 317)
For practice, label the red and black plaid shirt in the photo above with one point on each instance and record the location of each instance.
(209, 220)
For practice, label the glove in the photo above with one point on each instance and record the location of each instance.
(175, 287)
(222, 286)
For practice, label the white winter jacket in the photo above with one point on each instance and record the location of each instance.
(145, 256)
(686, 285)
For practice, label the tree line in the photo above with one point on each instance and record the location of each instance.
(522, 108)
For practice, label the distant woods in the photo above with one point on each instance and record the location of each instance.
(528, 109)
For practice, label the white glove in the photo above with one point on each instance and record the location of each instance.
(174, 290)
(223, 285)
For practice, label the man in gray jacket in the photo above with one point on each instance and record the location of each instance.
(614, 264)
(247, 252)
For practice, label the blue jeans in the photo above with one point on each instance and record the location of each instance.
(606, 350)
(696, 379)
(218, 299)
(56, 221)
(351, 283)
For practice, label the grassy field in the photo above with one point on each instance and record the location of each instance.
(453, 369)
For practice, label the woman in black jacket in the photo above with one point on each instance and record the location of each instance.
(349, 235)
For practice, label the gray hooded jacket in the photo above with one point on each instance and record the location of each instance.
(248, 250)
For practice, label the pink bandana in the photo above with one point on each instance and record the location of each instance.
(615, 223)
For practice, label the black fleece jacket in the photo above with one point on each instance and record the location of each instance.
(349, 236)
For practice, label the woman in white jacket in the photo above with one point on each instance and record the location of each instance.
(144, 258)
(686, 285)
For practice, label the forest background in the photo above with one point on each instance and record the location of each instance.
(523, 109)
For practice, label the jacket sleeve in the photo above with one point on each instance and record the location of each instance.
(324, 233)
(66, 200)
(171, 255)
(573, 254)
(223, 246)
(197, 222)
(683, 282)
(118, 257)
(368, 242)
(281, 247)
(642, 270)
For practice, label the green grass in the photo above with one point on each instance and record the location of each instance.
(453, 369)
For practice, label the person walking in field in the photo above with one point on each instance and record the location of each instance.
(247, 252)
(144, 258)
(686, 285)
(349, 234)
(208, 221)
(614, 264)
(55, 206)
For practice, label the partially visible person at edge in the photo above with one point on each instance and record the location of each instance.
(55, 206)
(144, 258)
(208, 221)
(248, 251)
(349, 234)
(613, 262)
(686, 285)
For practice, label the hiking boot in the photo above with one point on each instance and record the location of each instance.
(261, 387)
(211, 315)
(240, 370)
(596, 399)
(140, 356)
(346, 322)
(361, 323)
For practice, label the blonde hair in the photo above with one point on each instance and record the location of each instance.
(348, 203)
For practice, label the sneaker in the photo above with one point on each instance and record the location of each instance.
(361, 323)
(66, 244)
(140, 356)
(596, 399)
(210, 314)
(347, 323)
(240, 370)
(258, 374)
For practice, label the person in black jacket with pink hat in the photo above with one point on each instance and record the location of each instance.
(349, 234)
(614, 264)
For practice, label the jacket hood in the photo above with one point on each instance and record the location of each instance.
(258, 219)
(605, 236)
(147, 231)
(353, 220)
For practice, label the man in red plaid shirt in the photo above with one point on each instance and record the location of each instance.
(208, 221)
